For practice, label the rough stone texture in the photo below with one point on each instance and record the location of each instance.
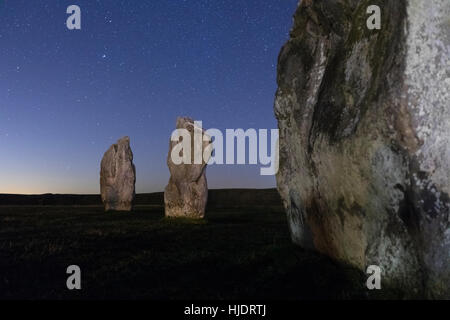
(118, 177)
(364, 123)
(186, 194)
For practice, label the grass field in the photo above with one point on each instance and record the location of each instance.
(233, 254)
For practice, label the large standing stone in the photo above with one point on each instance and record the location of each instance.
(118, 177)
(364, 121)
(187, 192)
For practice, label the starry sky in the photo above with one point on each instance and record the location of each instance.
(67, 95)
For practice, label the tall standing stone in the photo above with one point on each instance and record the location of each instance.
(186, 194)
(118, 177)
(364, 123)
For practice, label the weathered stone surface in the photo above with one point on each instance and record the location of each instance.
(118, 177)
(364, 123)
(186, 194)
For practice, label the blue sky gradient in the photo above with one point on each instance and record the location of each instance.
(66, 96)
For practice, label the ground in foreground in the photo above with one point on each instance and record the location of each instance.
(234, 254)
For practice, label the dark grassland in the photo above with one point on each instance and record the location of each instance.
(234, 253)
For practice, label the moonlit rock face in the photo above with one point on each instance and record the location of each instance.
(364, 124)
(118, 177)
(186, 194)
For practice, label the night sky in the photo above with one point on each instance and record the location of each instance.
(66, 96)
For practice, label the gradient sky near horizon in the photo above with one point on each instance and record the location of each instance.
(66, 96)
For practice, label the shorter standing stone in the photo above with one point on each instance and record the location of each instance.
(118, 177)
(187, 192)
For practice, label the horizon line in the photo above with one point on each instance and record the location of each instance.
(99, 194)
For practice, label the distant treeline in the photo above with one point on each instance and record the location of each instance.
(216, 198)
